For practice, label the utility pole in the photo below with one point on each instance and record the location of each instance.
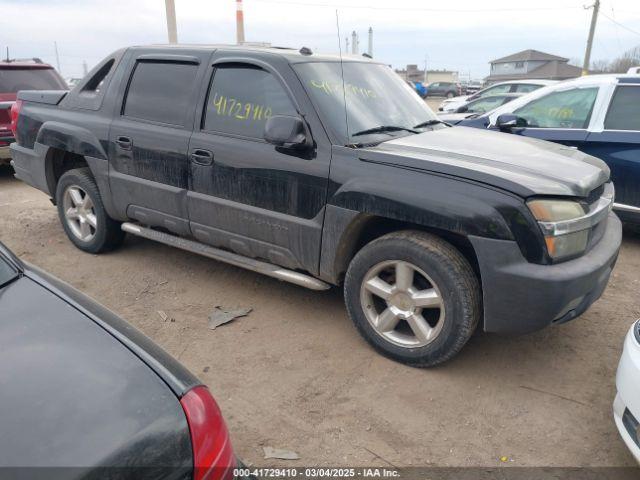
(592, 31)
(354, 43)
(425, 69)
(346, 42)
(239, 22)
(172, 30)
(55, 47)
(85, 69)
(370, 45)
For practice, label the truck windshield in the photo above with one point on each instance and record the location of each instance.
(14, 79)
(380, 106)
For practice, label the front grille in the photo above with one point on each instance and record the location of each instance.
(631, 425)
(595, 194)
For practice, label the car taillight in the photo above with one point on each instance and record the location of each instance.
(213, 457)
(15, 112)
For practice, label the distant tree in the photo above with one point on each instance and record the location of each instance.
(630, 58)
(621, 64)
(600, 66)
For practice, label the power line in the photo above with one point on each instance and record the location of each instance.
(412, 9)
(619, 24)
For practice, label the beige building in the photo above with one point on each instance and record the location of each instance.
(414, 74)
(531, 64)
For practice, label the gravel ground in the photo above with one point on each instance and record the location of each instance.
(294, 374)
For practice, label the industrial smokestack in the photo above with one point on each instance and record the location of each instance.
(239, 22)
(354, 43)
(370, 46)
(172, 30)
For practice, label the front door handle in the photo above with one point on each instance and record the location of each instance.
(124, 143)
(202, 157)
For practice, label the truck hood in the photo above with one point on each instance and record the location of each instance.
(521, 165)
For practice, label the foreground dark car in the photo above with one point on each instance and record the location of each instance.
(85, 395)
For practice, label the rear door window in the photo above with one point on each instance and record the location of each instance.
(526, 88)
(505, 88)
(565, 109)
(624, 111)
(241, 99)
(161, 92)
(15, 79)
(485, 104)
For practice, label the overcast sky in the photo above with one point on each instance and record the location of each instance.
(462, 35)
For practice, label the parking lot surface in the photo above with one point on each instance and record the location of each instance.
(294, 373)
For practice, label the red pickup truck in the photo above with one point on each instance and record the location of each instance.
(16, 75)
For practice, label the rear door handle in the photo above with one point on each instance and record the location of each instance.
(202, 157)
(124, 143)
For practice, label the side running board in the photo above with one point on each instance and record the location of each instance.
(265, 268)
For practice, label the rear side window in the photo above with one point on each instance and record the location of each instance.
(624, 111)
(241, 99)
(14, 79)
(161, 92)
(94, 85)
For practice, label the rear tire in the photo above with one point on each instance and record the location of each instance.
(82, 213)
(450, 95)
(413, 297)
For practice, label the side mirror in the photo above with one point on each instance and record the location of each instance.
(462, 109)
(508, 121)
(286, 132)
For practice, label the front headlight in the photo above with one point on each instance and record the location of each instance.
(558, 219)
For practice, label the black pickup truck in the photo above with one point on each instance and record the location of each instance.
(325, 171)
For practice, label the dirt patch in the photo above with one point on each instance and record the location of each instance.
(295, 375)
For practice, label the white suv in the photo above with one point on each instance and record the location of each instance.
(513, 86)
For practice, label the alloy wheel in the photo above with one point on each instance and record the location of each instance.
(402, 303)
(79, 213)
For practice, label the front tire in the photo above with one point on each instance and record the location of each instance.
(413, 297)
(82, 213)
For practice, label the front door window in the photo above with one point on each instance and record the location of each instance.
(565, 109)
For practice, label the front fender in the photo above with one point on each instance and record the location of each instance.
(416, 198)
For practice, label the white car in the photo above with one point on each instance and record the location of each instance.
(512, 86)
(626, 407)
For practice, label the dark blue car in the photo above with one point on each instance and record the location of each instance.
(598, 114)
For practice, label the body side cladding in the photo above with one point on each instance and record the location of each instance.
(100, 170)
(46, 178)
(71, 139)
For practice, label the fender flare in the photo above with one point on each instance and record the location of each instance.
(71, 139)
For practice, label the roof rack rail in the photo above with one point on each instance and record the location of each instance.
(25, 60)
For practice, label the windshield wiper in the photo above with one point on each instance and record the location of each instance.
(429, 123)
(384, 129)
